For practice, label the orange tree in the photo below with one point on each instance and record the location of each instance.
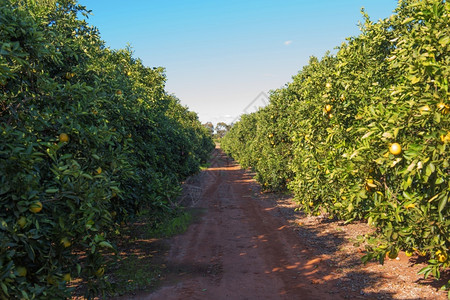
(369, 131)
(413, 186)
(88, 137)
(238, 141)
(272, 141)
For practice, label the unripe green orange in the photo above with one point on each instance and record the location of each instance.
(66, 243)
(22, 222)
(67, 277)
(21, 271)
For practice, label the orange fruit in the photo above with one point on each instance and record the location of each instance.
(63, 138)
(22, 222)
(328, 108)
(21, 271)
(98, 171)
(441, 256)
(67, 277)
(395, 148)
(118, 92)
(66, 243)
(36, 207)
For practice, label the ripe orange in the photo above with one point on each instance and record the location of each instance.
(441, 256)
(98, 171)
(63, 138)
(36, 207)
(395, 148)
(328, 108)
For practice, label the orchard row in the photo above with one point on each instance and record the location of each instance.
(88, 138)
(364, 134)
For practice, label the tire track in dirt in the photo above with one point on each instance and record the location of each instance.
(238, 250)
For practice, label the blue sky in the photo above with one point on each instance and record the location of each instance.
(220, 55)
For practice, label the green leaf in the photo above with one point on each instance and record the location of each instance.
(407, 20)
(430, 169)
(442, 204)
(30, 252)
(444, 41)
(85, 175)
(105, 244)
(4, 288)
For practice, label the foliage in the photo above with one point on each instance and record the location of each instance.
(89, 134)
(327, 135)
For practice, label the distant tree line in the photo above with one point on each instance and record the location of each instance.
(219, 131)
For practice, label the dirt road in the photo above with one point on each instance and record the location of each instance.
(248, 245)
(238, 250)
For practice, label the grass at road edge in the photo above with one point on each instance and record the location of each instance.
(142, 250)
